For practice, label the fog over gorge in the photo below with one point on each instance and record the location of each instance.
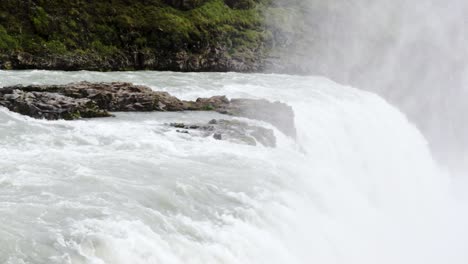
(413, 53)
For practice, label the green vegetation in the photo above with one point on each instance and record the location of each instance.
(137, 34)
(208, 107)
(7, 42)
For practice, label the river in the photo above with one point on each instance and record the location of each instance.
(358, 185)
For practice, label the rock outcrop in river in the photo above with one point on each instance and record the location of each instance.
(230, 130)
(88, 100)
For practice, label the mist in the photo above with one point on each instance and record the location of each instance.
(412, 53)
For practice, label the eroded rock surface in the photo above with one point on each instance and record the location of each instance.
(86, 100)
(50, 105)
(230, 130)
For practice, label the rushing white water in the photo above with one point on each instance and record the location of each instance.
(413, 53)
(359, 184)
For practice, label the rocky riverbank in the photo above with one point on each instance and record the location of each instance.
(188, 35)
(91, 100)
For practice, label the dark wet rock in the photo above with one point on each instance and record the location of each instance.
(201, 127)
(50, 105)
(116, 96)
(230, 130)
(182, 131)
(177, 125)
(218, 136)
(208, 104)
(86, 100)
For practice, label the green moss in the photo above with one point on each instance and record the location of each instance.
(72, 115)
(88, 110)
(105, 50)
(208, 107)
(40, 21)
(7, 42)
(7, 65)
(108, 30)
(55, 47)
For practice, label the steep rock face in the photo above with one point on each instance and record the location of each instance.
(86, 100)
(209, 59)
(176, 35)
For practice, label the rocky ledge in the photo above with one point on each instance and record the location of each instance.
(88, 100)
(230, 130)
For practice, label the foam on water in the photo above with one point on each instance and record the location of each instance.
(358, 186)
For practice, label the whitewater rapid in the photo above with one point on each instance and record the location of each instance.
(359, 185)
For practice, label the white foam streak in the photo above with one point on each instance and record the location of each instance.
(358, 186)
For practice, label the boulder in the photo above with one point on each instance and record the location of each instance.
(230, 130)
(50, 105)
(85, 100)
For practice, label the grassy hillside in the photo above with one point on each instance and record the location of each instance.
(184, 35)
